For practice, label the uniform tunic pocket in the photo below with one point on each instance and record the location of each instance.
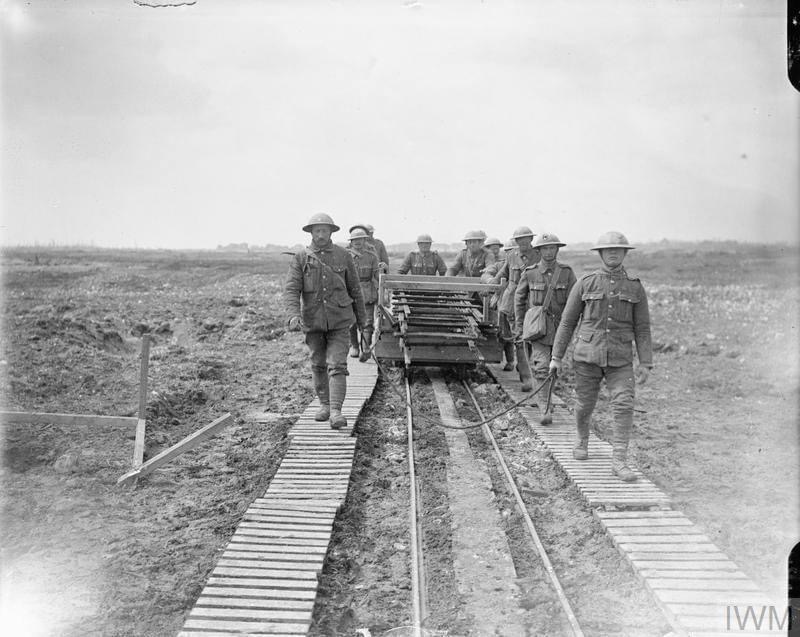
(624, 307)
(538, 292)
(593, 302)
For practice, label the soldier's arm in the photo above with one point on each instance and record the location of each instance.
(441, 268)
(293, 288)
(571, 280)
(384, 255)
(354, 290)
(520, 303)
(641, 329)
(499, 271)
(569, 320)
(405, 267)
(456, 267)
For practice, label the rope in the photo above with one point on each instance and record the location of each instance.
(437, 423)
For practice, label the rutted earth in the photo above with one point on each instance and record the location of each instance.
(715, 429)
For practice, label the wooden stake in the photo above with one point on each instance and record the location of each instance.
(188, 443)
(141, 423)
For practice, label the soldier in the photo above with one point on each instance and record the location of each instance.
(323, 298)
(612, 308)
(533, 289)
(504, 331)
(424, 261)
(473, 259)
(493, 245)
(368, 270)
(511, 272)
(376, 245)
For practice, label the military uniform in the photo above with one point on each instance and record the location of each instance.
(322, 288)
(467, 264)
(366, 262)
(614, 316)
(531, 292)
(418, 263)
(511, 270)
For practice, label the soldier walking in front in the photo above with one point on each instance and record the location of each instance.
(366, 262)
(613, 312)
(323, 298)
(424, 260)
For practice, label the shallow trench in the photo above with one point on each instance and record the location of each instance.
(366, 580)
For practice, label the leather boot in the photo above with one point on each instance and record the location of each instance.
(323, 393)
(619, 455)
(353, 341)
(338, 384)
(508, 349)
(523, 367)
(581, 449)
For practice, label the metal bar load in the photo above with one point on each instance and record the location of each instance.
(433, 320)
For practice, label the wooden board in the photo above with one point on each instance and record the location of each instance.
(188, 443)
(41, 418)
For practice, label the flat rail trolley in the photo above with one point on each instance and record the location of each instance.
(435, 320)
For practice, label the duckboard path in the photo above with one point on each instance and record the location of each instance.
(702, 592)
(265, 581)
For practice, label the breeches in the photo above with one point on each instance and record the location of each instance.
(620, 384)
(329, 350)
(540, 359)
(505, 333)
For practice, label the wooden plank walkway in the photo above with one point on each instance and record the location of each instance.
(592, 477)
(265, 581)
(701, 591)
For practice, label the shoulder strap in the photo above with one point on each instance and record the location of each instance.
(548, 297)
(311, 255)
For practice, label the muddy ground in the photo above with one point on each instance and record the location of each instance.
(716, 429)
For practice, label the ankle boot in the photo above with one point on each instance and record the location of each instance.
(523, 367)
(338, 384)
(619, 455)
(508, 350)
(323, 393)
(581, 449)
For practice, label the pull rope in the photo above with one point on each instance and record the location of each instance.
(437, 423)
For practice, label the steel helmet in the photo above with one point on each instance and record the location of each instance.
(424, 238)
(522, 231)
(320, 219)
(547, 239)
(510, 244)
(612, 239)
(360, 225)
(492, 241)
(358, 233)
(474, 234)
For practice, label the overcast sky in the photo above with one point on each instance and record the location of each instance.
(235, 121)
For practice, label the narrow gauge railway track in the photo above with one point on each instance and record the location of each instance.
(419, 600)
(266, 580)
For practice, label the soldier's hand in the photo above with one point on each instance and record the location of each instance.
(295, 324)
(642, 375)
(384, 267)
(555, 366)
(493, 301)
